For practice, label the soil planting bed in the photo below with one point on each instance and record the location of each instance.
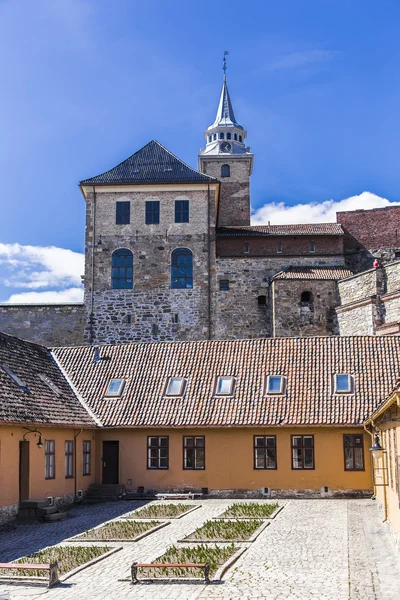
(247, 510)
(162, 511)
(119, 531)
(227, 531)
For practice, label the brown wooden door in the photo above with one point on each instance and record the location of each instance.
(110, 462)
(23, 471)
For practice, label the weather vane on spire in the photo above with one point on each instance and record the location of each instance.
(224, 64)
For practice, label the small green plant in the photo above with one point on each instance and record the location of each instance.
(250, 510)
(226, 530)
(214, 556)
(118, 530)
(161, 511)
(68, 558)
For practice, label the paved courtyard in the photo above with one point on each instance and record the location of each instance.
(313, 549)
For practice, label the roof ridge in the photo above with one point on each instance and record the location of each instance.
(183, 162)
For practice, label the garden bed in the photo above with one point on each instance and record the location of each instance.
(219, 558)
(162, 511)
(227, 531)
(250, 510)
(71, 559)
(120, 531)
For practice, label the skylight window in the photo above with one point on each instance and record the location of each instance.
(343, 384)
(50, 384)
(15, 378)
(225, 386)
(176, 386)
(115, 387)
(275, 384)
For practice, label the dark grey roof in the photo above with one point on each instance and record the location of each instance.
(33, 389)
(152, 164)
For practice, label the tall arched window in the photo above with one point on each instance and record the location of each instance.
(228, 136)
(236, 136)
(122, 269)
(225, 171)
(221, 136)
(181, 269)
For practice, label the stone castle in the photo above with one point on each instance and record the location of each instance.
(170, 254)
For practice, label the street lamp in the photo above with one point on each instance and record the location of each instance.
(376, 450)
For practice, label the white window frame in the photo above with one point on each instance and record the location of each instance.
(350, 380)
(281, 391)
(182, 388)
(231, 389)
(118, 393)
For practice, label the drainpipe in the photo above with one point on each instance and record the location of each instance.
(385, 506)
(75, 471)
(92, 278)
(209, 259)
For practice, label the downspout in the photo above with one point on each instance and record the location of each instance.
(92, 278)
(385, 506)
(209, 259)
(75, 471)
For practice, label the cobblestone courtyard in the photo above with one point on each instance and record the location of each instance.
(313, 549)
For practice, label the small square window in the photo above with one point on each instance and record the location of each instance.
(275, 384)
(115, 387)
(342, 384)
(224, 285)
(176, 386)
(225, 386)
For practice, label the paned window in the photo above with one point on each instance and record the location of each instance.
(181, 211)
(123, 213)
(228, 136)
(152, 212)
(225, 171)
(265, 452)
(275, 384)
(224, 285)
(175, 386)
(225, 386)
(69, 459)
(353, 452)
(115, 387)
(122, 269)
(181, 269)
(157, 452)
(342, 384)
(87, 457)
(194, 452)
(50, 459)
(302, 452)
(312, 246)
(221, 136)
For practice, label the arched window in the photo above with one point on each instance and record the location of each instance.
(306, 297)
(181, 269)
(122, 269)
(236, 136)
(221, 136)
(225, 171)
(215, 136)
(228, 136)
(240, 138)
(210, 138)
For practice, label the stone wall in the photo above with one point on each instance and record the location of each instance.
(234, 200)
(46, 324)
(359, 287)
(294, 318)
(151, 311)
(8, 513)
(360, 319)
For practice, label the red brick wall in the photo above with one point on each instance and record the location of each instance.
(291, 245)
(376, 228)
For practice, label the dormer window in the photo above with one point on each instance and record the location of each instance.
(115, 388)
(15, 378)
(343, 384)
(176, 386)
(275, 384)
(225, 386)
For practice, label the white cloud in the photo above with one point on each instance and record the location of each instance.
(51, 297)
(296, 60)
(313, 212)
(35, 267)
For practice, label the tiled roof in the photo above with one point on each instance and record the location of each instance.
(308, 364)
(301, 229)
(152, 164)
(37, 370)
(333, 272)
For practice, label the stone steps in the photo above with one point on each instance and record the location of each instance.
(104, 493)
(39, 509)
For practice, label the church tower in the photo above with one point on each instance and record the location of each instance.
(227, 158)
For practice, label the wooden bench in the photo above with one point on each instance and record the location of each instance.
(136, 566)
(177, 496)
(52, 568)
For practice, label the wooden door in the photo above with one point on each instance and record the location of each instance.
(110, 462)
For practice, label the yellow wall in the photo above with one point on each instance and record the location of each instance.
(229, 460)
(39, 487)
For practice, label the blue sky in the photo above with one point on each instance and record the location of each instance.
(85, 83)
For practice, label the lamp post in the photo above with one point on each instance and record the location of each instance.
(377, 453)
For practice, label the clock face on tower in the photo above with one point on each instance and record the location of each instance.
(225, 147)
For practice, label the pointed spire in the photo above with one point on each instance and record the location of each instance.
(225, 115)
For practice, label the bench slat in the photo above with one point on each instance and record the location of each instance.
(24, 566)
